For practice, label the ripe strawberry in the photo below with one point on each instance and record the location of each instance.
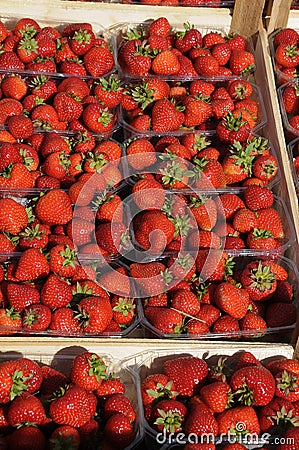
(229, 204)
(119, 403)
(110, 386)
(26, 408)
(27, 437)
(287, 55)
(291, 440)
(260, 239)
(32, 265)
(232, 300)
(56, 292)
(98, 118)
(258, 279)
(36, 317)
(119, 430)
(20, 296)
(95, 314)
(253, 385)
(257, 197)
(253, 321)
(231, 418)
(13, 216)
(54, 207)
(201, 421)
(189, 380)
(88, 370)
(75, 407)
(169, 415)
(233, 128)
(226, 325)
(157, 386)
(14, 87)
(165, 117)
(241, 62)
(64, 321)
(216, 396)
(64, 435)
(281, 314)
(154, 222)
(62, 260)
(10, 60)
(164, 319)
(98, 61)
(186, 302)
(10, 321)
(197, 112)
(67, 107)
(166, 63)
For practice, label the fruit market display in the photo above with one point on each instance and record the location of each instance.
(80, 409)
(193, 400)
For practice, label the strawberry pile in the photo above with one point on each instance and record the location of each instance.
(159, 49)
(238, 398)
(29, 103)
(54, 160)
(289, 101)
(215, 294)
(285, 52)
(163, 106)
(55, 293)
(193, 159)
(75, 49)
(250, 220)
(80, 410)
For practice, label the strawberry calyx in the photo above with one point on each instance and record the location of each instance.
(182, 34)
(238, 432)
(249, 68)
(242, 156)
(69, 256)
(233, 123)
(63, 442)
(81, 137)
(197, 201)
(185, 261)
(80, 292)
(13, 239)
(134, 33)
(82, 36)
(201, 289)
(38, 81)
(64, 161)
(259, 233)
(203, 97)
(245, 395)
(125, 305)
(101, 199)
(229, 268)
(162, 391)
(29, 31)
(201, 142)
(29, 212)
(29, 44)
(269, 168)
(285, 420)
(182, 225)
(288, 382)
(33, 232)
(43, 124)
(167, 276)
(97, 367)
(12, 313)
(291, 51)
(141, 94)
(105, 118)
(220, 370)
(110, 85)
(19, 383)
(31, 317)
(171, 421)
(262, 277)
(125, 240)
(97, 161)
(167, 207)
(173, 172)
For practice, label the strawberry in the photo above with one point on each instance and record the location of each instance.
(154, 222)
(291, 440)
(95, 314)
(64, 321)
(10, 60)
(14, 87)
(233, 128)
(281, 314)
(205, 211)
(188, 381)
(258, 279)
(287, 55)
(20, 296)
(169, 415)
(56, 292)
(166, 63)
(164, 320)
(197, 112)
(13, 216)
(159, 27)
(165, 117)
(225, 325)
(54, 207)
(62, 260)
(67, 107)
(216, 396)
(27, 437)
(110, 386)
(26, 408)
(88, 370)
(98, 61)
(119, 430)
(64, 435)
(201, 421)
(36, 317)
(260, 239)
(232, 300)
(10, 321)
(186, 302)
(229, 204)
(97, 118)
(257, 197)
(75, 407)
(228, 420)
(32, 265)
(241, 62)
(157, 386)
(253, 321)
(253, 385)
(286, 36)
(119, 403)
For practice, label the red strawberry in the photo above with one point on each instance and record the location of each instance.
(28, 437)
(157, 386)
(98, 118)
(230, 419)
(20, 296)
(36, 317)
(32, 265)
(10, 321)
(13, 216)
(98, 61)
(254, 385)
(88, 370)
(54, 207)
(287, 55)
(258, 279)
(166, 63)
(64, 321)
(164, 319)
(75, 407)
(257, 197)
(119, 403)
(241, 62)
(216, 396)
(95, 313)
(281, 314)
(188, 374)
(232, 300)
(67, 107)
(26, 409)
(169, 415)
(201, 421)
(64, 436)
(165, 117)
(56, 292)
(119, 430)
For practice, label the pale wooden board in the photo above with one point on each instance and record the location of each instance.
(277, 14)
(247, 15)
